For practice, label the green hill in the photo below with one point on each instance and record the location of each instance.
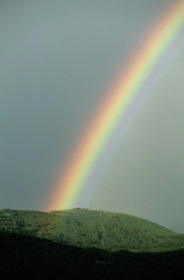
(90, 228)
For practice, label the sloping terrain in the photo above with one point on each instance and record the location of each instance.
(25, 257)
(90, 228)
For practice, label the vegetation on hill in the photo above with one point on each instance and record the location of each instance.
(86, 228)
(25, 257)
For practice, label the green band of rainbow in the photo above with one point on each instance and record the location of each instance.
(73, 178)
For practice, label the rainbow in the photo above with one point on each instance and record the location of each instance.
(106, 117)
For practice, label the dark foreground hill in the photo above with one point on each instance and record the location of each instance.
(24, 257)
(86, 228)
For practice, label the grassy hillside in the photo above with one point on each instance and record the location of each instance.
(24, 257)
(86, 228)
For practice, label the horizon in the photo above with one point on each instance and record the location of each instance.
(83, 208)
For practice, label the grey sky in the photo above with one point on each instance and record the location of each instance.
(58, 58)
